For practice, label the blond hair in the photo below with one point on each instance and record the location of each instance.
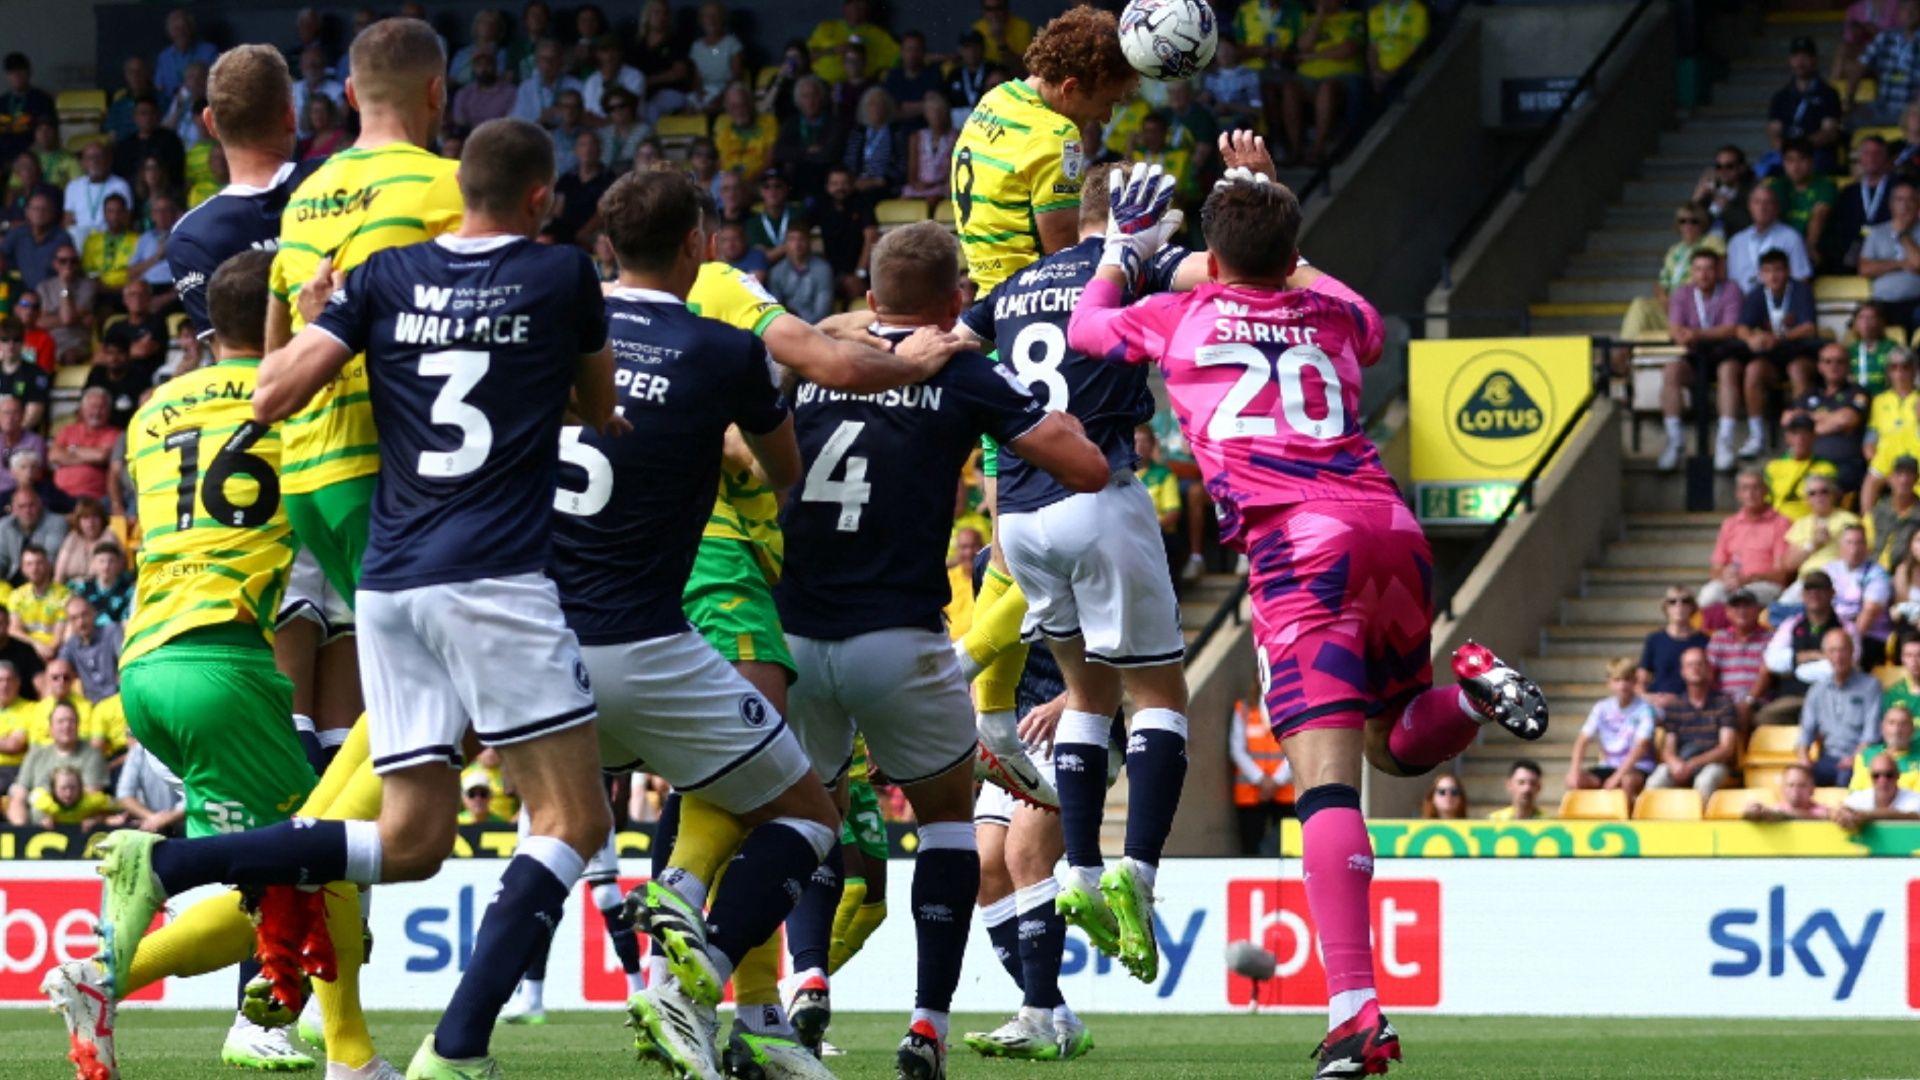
(1621, 667)
(250, 91)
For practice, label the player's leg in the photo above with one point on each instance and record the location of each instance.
(992, 817)
(992, 654)
(1034, 845)
(862, 912)
(296, 643)
(909, 700)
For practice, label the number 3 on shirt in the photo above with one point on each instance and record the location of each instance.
(1257, 370)
(463, 369)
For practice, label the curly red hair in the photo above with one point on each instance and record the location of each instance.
(1082, 44)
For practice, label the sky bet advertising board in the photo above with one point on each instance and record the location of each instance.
(1708, 937)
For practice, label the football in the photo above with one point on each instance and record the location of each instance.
(1168, 39)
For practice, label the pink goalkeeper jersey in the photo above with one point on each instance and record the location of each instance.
(1265, 384)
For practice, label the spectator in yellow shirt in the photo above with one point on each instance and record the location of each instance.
(1007, 35)
(827, 39)
(1332, 51)
(59, 685)
(66, 803)
(476, 798)
(1162, 486)
(108, 251)
(744, 138)
(967, 542)
(1523, 794)
(16, 722)
(1395, 31)
(39, 605)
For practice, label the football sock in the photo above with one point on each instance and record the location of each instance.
(866, 919)
(247, 970)
(296, 852)
(708, 837)
(993, 643)
(852, 894)
(946, 878)
(1337, 861)
(534, 991)
(620, 932)
(348, 1040)
(352, 758)
(1156, 771)
(521, 920)
(1437, 724)
(756, 979)
(768, 1019)
(666, 832)
(981, 643)
(309, 743)
(537, 961)
(938, 1019)
(1674, 429)
(1002, 919)
(761, 886)
(810, 927)
(1042, 941)
(1080, 775)
(331, 740)
(208, 936)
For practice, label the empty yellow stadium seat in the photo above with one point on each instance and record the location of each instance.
(900, 211)
(71, 376)
(1667, 804)
(174, 322)
(81, 101)
(1765, 777)
(943, 211)
(1830, 797)
(1890, 134)
(1841, 290)
(1770, 745)
(681, 127)
(1869, 90)
(1594, 805)
(1728, 804)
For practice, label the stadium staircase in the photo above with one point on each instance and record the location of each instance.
(1622, 255)
(1617, 604)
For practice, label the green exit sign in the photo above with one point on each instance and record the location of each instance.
(1464, 503)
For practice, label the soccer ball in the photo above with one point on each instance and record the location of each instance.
(1168, 39)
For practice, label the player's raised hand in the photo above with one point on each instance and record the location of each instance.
(930, 348)
(1246, 149)
(316, 292)
(1139, 220)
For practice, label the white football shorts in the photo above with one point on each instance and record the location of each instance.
(494, 655)
(312, 597)
(1093, 566)
(674, 707)
(900, 687)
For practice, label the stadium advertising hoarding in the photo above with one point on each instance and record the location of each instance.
(1482, 412)
(1549, 839)
(1648, 937)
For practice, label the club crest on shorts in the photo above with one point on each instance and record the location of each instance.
(580, 676)
(753, 710)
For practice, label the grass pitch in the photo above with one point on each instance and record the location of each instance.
(166, 1045)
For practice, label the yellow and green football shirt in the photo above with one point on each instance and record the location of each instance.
(1015, 159)
(1260, 24)
(746, 509)
(359, 202)
(217, 546)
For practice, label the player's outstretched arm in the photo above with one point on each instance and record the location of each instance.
(1059, 445)
(292, 374)
(848, 361)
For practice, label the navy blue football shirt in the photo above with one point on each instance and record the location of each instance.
(867, 529)
(632, 508)
(237, 219)
(472, 344)
(1026, 319)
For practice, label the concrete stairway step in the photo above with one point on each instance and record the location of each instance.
(1575, 691)
(1574, 325)
(1648, 243)
(1667, 191)
(1670, 519)
(1595, 611)
(1560, 668)
(1700, 142)
(1649, 215)
(1611, 264)
(1597, 289)
(1625, 553)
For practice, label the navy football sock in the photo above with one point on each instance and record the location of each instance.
(763, 882)
(1080, 775)
(537, 963)
(665, 831)
(626, 943)
(1156, 771)
(518, 925)
(946, 879)
(1042, 941)
(298, 852)
(810, 927)
(1003, 929)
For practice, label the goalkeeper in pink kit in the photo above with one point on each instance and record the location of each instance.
(1263, 363)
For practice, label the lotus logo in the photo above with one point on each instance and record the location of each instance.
(1500, 409)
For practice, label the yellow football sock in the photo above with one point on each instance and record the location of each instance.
(708, 838)
(990, 633)
(358, 796)
(756, 980)
(353, 754)
(208, 936)
(850, 899)
(866, 919)
(348, 1041)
